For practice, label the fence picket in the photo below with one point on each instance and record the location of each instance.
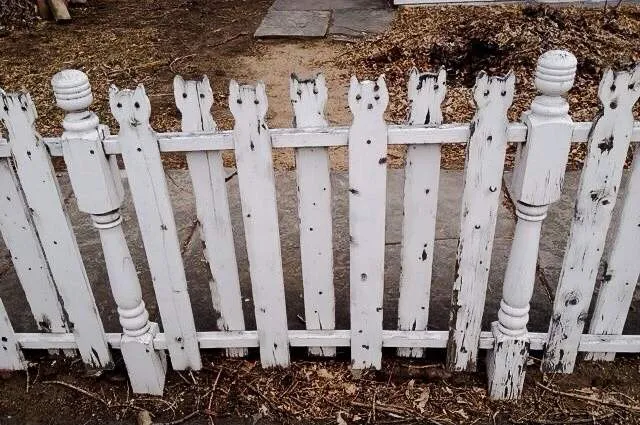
(309, 98)
(422, 175)
(150, 194)
(28, 258)
(367, 186)
(194, 100)
(58, 241)
(480, 200)
(11, 357)
(622, 270)
(596, 197)
(256, 179)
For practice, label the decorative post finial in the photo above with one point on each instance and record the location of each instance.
(555, 74)
(96, 184)
(537, 182)
(72, 90)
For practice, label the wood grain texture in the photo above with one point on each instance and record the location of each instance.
(194, 100)
(422, 175)
(620, 277)
(367, 201)
(256, 179)
(596, 197)
(309, 98)
(11, 357)
(42, 193)
(480, 200)
(29, 262)
(150, 194)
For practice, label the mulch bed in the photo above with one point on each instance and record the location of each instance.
(468, 39)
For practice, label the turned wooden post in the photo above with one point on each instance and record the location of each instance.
(98, 191)
(537, 182)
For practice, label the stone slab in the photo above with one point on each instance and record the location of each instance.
(360, 22)
(327, 4)
(294, 23)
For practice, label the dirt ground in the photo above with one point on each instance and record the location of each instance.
(123, 43)
(127, 43)
(239, 391)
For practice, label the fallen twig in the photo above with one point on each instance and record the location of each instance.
(384, 408)
(591, 420)
(179, 421)
(228, 39)
(591, 399)
(178, 59)
(80, 390)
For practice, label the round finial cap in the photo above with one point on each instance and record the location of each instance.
(555, 72)
(72, 90)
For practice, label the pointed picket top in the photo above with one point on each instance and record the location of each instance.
(494, 92)
(426, 91)
(309, 100)
(619, 91)
(18, 107)
(368, 97)
(130, 107)
(194, 114)
(246, 98)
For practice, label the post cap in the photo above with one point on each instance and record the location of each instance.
(555, 72)
(72, 90)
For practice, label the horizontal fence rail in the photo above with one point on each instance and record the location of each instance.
(589, 343)
(36, 228)
(321, 137)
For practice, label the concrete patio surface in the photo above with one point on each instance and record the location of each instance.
(552, 247)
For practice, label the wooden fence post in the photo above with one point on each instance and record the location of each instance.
(480, 200)
(367, 208)
(537, 182)
(99, 193)
(194, 99)
(256, 178)
(309, 98)
(596, 197)
(426, 91)
(42, 193)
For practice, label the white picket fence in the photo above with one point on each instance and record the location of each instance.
(37, 231)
